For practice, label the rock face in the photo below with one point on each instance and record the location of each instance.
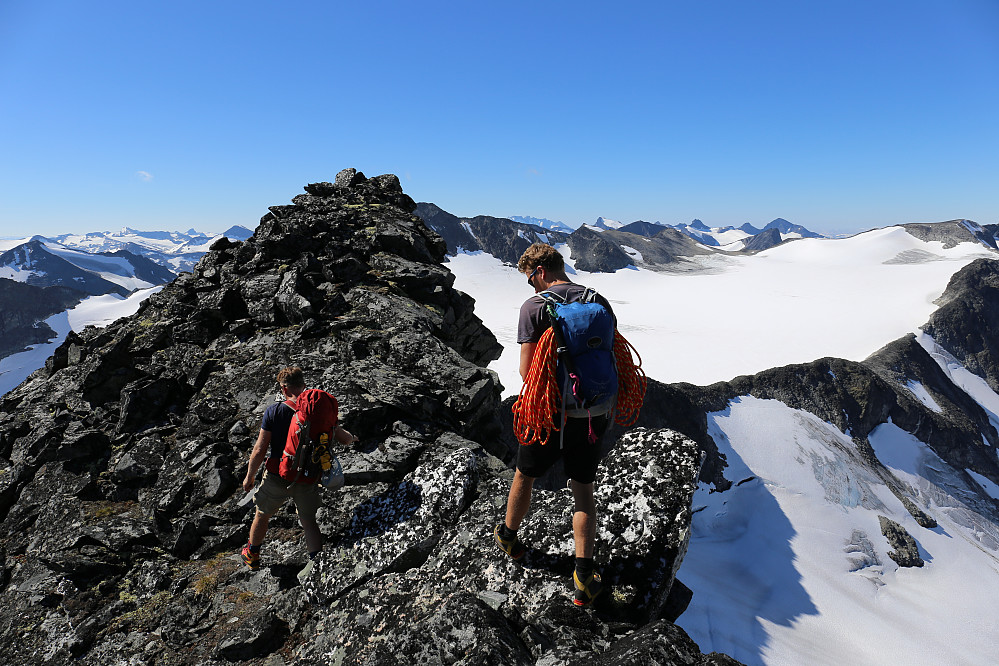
(120, 464)
(595, 253)
(953, 232)
(504, 239)
(906, 552)
(763, 241)
(967, 317)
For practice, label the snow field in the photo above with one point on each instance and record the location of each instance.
(795, 303)
(790, 567)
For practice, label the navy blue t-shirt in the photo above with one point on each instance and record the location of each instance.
(277, 421)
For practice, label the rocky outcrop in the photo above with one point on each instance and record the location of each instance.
(906, 553)
(967, 316)
(451, 228)
(763, 241)
(417, 559)
(506, 240)
(952, 233)
(120, 464)
(594, 253)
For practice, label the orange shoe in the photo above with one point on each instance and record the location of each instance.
(250, 558)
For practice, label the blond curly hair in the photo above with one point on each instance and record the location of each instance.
(541, 254)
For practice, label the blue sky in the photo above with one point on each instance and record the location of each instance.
(839, 116)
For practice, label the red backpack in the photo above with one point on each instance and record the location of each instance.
(309, 437)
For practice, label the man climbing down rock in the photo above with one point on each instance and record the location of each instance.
(274, 490)
(567, 401)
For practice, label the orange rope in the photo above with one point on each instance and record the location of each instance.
(631, 382)
(536, 409)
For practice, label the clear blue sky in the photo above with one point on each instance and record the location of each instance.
(840, 116)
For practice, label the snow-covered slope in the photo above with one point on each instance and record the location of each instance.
(789, 566)
(790, 304)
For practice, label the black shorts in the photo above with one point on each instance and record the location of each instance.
(578, 455)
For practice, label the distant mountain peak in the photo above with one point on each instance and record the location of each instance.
(542, 222)
(604, 223)
(235, 232)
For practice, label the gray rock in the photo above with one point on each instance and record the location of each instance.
(906, 553)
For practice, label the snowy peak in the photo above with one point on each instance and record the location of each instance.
(543, 223)
(787, 229)
(175, 250)
(604, 223)
(45, 263)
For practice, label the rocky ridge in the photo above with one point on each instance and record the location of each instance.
(120, 463)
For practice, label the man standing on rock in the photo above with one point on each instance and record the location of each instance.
(275, 491)
(577, 443)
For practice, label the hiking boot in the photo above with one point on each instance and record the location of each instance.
(250, 558)
(511, 547)
(587, 590)
(304, 573)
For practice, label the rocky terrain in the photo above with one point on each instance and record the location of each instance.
(120, 465)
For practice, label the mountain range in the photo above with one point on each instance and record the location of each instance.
(41, 277)
(787, 506)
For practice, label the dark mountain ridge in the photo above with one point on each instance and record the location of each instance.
(600, 248)
(23, 309)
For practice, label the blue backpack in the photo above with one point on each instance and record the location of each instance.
(584, 338)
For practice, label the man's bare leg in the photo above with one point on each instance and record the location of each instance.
(584, 519)
(519, 500)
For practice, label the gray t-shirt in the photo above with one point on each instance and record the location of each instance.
(533, 322)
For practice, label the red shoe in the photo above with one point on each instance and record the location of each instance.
(250, 558)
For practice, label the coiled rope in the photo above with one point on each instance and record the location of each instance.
(536, 410)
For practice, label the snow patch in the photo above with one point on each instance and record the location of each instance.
(923, 396)
(987, 484)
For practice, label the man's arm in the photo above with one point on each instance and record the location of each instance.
(256, 458)
(343, 436)
(526, 354)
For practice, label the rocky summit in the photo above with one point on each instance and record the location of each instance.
(121, 463)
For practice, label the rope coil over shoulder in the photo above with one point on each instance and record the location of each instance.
(536, 411)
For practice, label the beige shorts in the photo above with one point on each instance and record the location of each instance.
(275, 491)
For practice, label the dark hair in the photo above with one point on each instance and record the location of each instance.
(292, 377)
(541, 254)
